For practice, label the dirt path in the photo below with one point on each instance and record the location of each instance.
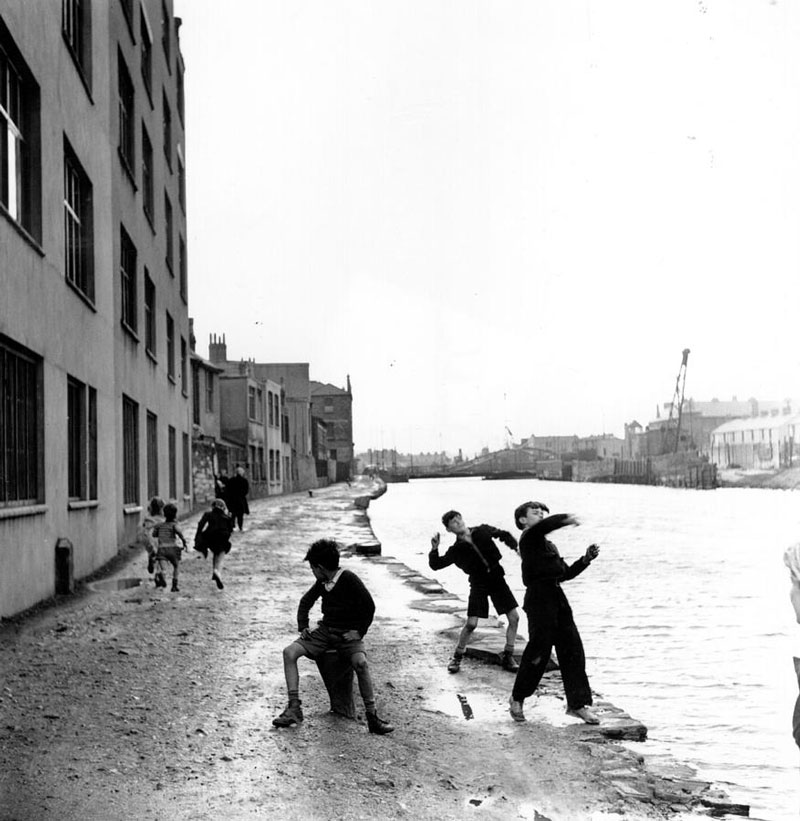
(145, 704)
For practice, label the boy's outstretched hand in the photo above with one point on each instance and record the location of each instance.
(591, 552)
(435, 541)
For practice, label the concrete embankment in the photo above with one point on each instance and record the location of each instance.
(127, 701)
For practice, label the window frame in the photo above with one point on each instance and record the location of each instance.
(151, 450)
(148, 178)
(78, 227)
(76, 31)
(81, 441)
(150, 316)
(172, 446)
(128, 284)
(126, 121)
(170, 347)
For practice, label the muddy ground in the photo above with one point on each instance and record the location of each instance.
(140, 703)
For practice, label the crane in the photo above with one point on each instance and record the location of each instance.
(676, 406)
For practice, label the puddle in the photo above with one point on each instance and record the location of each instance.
(114, 584)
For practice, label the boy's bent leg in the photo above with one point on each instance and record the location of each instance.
(508, 662)
(293, 713)
(463, 639)
(534, 661)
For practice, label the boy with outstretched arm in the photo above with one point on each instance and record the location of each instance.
(550, 621)
(347, 612)
(475, 552)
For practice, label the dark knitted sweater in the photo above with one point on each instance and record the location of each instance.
(478, 560)
(348, 606)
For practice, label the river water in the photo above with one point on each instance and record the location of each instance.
(685, 615)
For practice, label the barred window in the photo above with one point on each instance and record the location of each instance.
(127, 270)
(20, 437)
(81, 440)
(127, 117)
(78, 225)
(149, 314)
(173, 458)
(152, 455)
(130, 451)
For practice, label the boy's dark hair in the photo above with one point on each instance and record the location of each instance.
(170, 512)
(451, 514)
(325, 553)
(523, 509)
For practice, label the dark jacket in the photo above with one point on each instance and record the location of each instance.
(214, 527)
(478, 564)
(236, 490)
(543, 569)
(348, 606)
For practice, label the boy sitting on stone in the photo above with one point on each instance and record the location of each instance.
(347, 612)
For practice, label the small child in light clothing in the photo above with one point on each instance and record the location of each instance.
(167, 533)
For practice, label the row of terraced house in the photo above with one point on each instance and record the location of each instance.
(104, 401)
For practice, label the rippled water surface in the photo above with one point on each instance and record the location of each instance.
(685, 615)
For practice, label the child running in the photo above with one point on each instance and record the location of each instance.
(550, 620)
(347, 612)
(214, 534)
(167, 533)
(475, 552)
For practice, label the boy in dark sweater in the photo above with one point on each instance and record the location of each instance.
(347, 611)
(475, 552)
(550, 621)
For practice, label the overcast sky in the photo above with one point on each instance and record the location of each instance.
(498, 214)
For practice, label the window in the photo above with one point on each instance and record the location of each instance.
(126, 115)
(127, 271)
(127, 7)
(146, 51)
(170, 348)
(147, 175)
(78, 241)
(20, 436)
(271, 465)
(152, 455)
(181, 181)
(19, 139)
(277, 466)
(251, 404)
(195, 392)
(187, 479)
(271, 408)
(168, 231)
(130, 451)
(81, 440)
(149, 314)
(167, 122)
(184, 368)
(259, 405)
(209, 391)
(75, 28)
(165, 31)
(182, 266)
(173, 456)
(181, 93)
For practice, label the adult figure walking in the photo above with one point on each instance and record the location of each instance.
(236, 490)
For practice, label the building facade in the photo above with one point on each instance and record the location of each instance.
(94, 408)
(334, 406)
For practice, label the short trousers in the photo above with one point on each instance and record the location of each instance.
(323, 638)
(500, 593)
(172, 553)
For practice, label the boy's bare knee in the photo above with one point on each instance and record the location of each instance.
(292, 652)
(471, 623)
